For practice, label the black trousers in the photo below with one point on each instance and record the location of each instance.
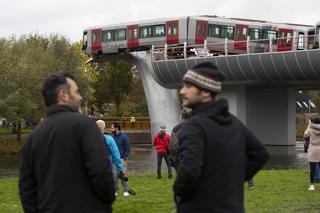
(159, 162)
(312, 171)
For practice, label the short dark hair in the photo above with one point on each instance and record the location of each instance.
(52, 85)
(116, 125)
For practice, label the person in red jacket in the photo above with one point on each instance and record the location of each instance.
(162, 141)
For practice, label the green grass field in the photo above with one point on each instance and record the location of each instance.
(276, 191)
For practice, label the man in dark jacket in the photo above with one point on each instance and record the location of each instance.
(217, 153)
(123, 144)
(65, 165)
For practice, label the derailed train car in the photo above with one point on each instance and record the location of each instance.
(197, 30)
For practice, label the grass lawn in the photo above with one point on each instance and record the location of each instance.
(280, 191)
(5, 131)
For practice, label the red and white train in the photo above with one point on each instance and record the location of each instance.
(141, 35)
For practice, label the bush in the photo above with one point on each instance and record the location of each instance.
(10, 146)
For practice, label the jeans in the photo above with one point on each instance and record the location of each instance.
(116, 178)
(159, 162)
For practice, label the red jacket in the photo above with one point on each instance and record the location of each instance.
(161, 143)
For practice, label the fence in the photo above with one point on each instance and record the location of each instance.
(128, 123)
(226, 47)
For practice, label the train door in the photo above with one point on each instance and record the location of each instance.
(96, 43)
(201, 31)
(284, 40)
(240, 37)
(172, 32)
(133, 36)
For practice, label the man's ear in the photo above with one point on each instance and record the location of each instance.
(63, 96)
(205, 93)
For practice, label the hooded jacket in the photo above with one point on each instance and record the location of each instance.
(161, 143)
(65, 166)
(313, 131)
(217, 153)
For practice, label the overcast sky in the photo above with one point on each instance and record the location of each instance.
(70, 17)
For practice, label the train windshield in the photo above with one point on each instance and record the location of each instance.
(85, 40)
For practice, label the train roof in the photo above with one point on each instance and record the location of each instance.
(140, 22)
(256, 22)
(212, 18)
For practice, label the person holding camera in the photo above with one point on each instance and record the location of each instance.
(123, 144)
(114, 156)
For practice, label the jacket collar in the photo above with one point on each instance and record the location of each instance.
(217, 110)
(60, 108)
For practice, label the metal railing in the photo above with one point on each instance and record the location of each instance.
(126, 123)
(172, 52)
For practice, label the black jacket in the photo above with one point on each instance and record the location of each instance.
(65, 166)
(217, 154)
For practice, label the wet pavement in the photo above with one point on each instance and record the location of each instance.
(143, 159)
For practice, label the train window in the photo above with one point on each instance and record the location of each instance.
(311, 39)
(169, 29)
(244, 33)
(107, 35)
(174, 29)
(270, 34)
(289, 35)
(130, 37)
(300, 41)
(94, 37)
(201, 29)
(227, 32)
(135, 33)
(85, 40)
(146, 32)
(255, 33)
(282, 38)
(158, 31)
(120, 35)
(214, 31)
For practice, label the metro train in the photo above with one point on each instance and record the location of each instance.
(197, 30)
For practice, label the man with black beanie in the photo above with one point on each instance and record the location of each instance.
(217, 153)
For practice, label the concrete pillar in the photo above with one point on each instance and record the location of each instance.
(236, 97)
(163, 104)
(271, 115)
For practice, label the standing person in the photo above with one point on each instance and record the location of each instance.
(173, 150)
(161, 141)
(217, 153)
(312, 132)
(114, 156)
(64, 166)
(123, 144)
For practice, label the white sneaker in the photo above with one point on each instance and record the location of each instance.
(311, 188)
(125, 194)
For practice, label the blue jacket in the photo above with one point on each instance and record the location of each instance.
(123, 144)
(114, 156)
